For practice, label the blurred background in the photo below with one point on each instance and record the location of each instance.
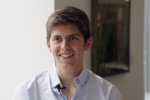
(23, 51)
(146, 52)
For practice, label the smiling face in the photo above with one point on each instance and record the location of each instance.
(67, 46)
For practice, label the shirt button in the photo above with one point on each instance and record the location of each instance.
(58, 93)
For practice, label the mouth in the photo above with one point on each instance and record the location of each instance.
(66, 55)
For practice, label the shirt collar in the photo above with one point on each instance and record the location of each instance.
(81, 79)
(54, 76)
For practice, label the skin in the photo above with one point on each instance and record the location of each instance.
(67, 46)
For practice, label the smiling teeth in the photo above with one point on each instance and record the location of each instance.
(66, 55)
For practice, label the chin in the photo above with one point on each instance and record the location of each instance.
(67, 65)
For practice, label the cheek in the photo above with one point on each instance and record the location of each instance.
(80, 49)
(54, 49)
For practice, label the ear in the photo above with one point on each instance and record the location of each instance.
(48, 45)
(88, 44)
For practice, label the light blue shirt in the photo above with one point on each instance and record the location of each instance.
(89, 87)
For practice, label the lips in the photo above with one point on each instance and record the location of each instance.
(66, 55)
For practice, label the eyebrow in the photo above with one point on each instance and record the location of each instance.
(68, 35)
(74, 35)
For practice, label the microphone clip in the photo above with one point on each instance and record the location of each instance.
(59, 88)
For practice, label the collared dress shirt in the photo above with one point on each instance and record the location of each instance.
(89, 87)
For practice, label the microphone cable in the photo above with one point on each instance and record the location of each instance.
(58, 87)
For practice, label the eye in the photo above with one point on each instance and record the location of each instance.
(73, 38)
(57, 39)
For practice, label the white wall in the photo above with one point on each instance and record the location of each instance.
(129, 84)
(23, 50)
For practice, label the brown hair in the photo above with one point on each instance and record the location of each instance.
(69, 15)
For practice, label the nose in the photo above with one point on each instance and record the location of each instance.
(65, 45)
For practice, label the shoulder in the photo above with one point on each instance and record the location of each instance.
(34, 83)
(99, 79)
(105, 87)
(36, 79)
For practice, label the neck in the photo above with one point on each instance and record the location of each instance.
(67, 76)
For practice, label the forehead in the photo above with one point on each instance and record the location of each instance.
(65, 29)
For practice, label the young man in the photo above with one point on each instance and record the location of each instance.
(68, 36)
